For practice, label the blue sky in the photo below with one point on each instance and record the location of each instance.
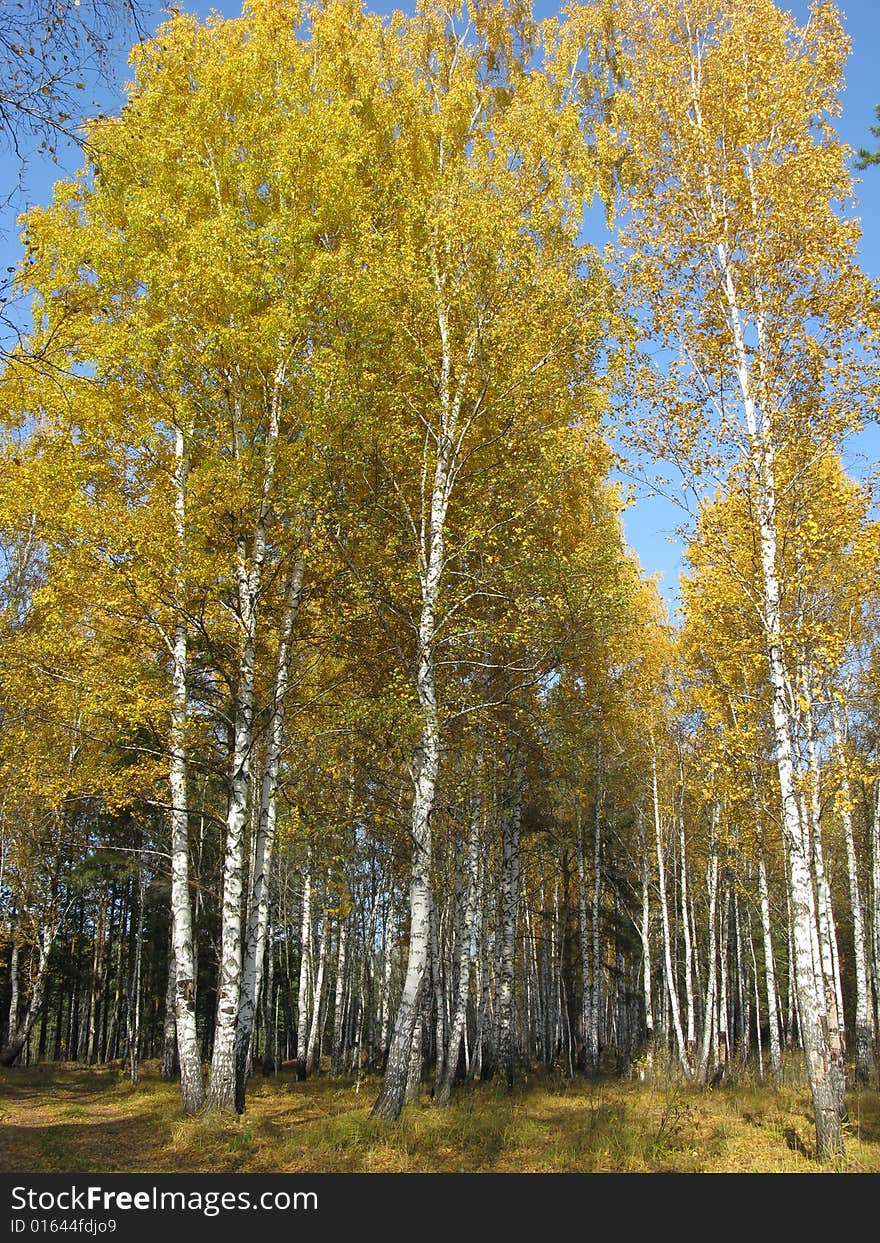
(651, 522)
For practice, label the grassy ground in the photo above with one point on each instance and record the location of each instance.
(71, 1119)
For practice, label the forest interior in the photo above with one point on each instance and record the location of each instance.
(362, 807)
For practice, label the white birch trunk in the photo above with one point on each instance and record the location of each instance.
(864, 1066)
(645, 934)
(671, 985)
(264, 843)
(336, 1056)
(312, 1048)
(757, 986)
(305, 971)
(426, 760)
(583, 928)
(688, 948)
(469, 896)
(816, 1046)
(192, 1083)
(709, 1008)
(510, 872)
(169, 1024)
(829, 978)
(221, 1091)
(12, 1019)
(17, 1037)
(593, 1035)
(769, 973)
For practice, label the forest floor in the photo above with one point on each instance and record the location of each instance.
(73, 1119)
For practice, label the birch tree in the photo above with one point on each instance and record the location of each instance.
(748, 274)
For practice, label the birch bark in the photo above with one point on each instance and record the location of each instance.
(192, 1084)
(769, 972)
(249, 572)
(709, 1009)
(510, 873)
(817, 1051)
(864, 1059)
(305, 971)
(671, 985)
(265, 836)
(459, 1017)
(17, 1038)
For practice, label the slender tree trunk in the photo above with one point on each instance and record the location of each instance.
(645, 934)
(192, 1084)
(864, 1028)
(169, 1024)
(440, 1024)
(133, 1019)
(12, 1020)
(769, 973)
(95, 987)
(264, 844)
(337, 1052)
(829, 965)
(249, 571)
(18, 1037)
(269, 1001)
(709, 1009)
(754, 961)
(820, 1071)
(510, 872)
(305, 971)
(425, 767)
(426, 760)
(312, 1054)
(667, 940)
(594, 1013)
(468, 898)
(688, 949)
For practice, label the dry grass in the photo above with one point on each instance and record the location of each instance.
(71, 1119)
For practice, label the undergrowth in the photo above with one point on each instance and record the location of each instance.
(75, 1119)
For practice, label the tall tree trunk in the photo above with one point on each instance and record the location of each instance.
(583, 935)
(597, 980)
(769, 972)
(17, 1038)
(337, 1053)
(709, 1008)
(133, 1013)
(864, 1026)
(510, 872)
(269, 1002)
(820, 1070)
(426, 760)
(828, 978)
(96, 980)
(169, 1023)
(467, 898)
(685, 924)
(671, 985)
(645, 935)
(192, 1084)
(12, 1019)
(264, 844)
(312, 1048)
(305, 971)
(249, 573)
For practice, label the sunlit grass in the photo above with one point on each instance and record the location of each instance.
(75, 1119)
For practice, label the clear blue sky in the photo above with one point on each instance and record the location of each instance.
(651, 522)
